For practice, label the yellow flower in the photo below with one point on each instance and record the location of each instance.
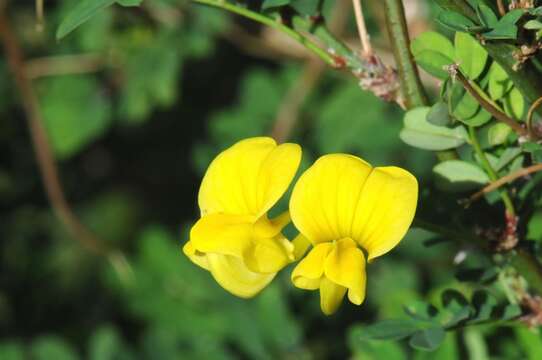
(338, 204)
(234, 239)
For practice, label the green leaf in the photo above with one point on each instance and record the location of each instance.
(514, 104)
(421, 310)
(129, 3)
(438, 115)
(454, 21)
(83, 11)
(506, 157)
(433, 52)
(484, 304)
(456, 307)
(305, 7)
(418, 132)
(534, 227)
(373, 349)
(75, 112)
(499, 82)
(268, 4)
(482, 117)
(458, 175)
(498, 133)
(533, 25)
(510, 312)
(466, 107)
(470, 55)
(428, 339)
(506, 27)
(389, 330)
(486, 16)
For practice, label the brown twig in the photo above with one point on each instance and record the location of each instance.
(44, 157)
(536, 132)
(366, 47)
(502, 9)
(506, 180)
(288, 113)
(62, 65)
(40, 18)
(456, 73)
(42, 149)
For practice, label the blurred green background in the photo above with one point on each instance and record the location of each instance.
(136, 103)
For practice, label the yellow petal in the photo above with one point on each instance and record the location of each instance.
(341, 196)
(235, 236)
(301, 245)
(222, 234)
(233, 275)
(385, 210)
(331, 296)
(308, 273)
(249, 177)
(325, 197)
(195, 256)
(268, 255)
(345, 266)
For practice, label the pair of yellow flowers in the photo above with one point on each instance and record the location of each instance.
(341, 206)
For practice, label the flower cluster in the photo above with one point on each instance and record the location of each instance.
(343, 208)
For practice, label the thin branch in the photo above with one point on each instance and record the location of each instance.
(289, 110)
(411, 85)
(530, 115)
(456, 73)
(509, 238)
(63, 65)
(506, 180)
(502, 9)
(44, 156)
(40, 18)
(362, 29)
(303, 40)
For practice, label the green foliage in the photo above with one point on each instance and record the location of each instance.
(86, 9)
(421, 133)
(169, 85)
(74, 119)
(458, 175)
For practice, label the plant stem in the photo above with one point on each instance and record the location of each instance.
(362, 29)
(525, 77)
(303, 40)
(487, 105)
(411, 85)
(506, 180)
(409, 77)
(44, 156)
(489, 170)
(530, 114)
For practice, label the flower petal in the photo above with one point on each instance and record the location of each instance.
(325, 197)
(222, 234)
(331, 296)
(234, 276)
(249, 177)
(308, 273)
(235, 236)
(385, 210)
(342, 196)
(345, 266)
(195, 256)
